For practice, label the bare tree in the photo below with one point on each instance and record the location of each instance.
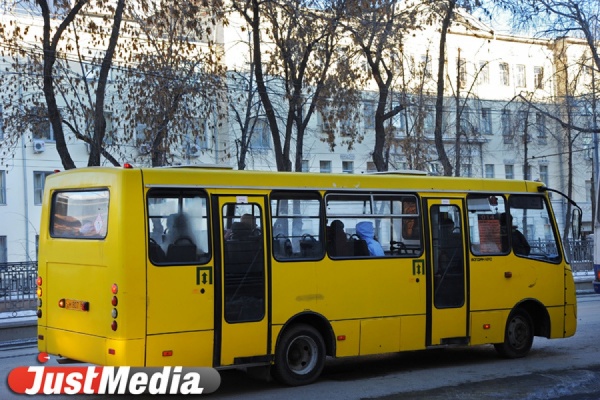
(177, 83)
(46, 58)
(302, 37)
(88, 64)
(377, 29)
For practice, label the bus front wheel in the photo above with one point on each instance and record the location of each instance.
(299, 356)
(518, 335)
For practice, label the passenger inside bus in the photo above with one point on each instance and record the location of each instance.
(179, 239)
(520, 244)
(365, 232)
(338, 244)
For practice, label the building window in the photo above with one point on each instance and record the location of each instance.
(506, 121)
(39, 177)
(429, 121)
(504, 74)
(588, 191)
(466, 170)
(544, 174)
(521, 80)
(462, 72)
(489, 171)
(196, 136)
(509, 171)
(324, 121)
(426, 65)
(348, 167)
(486, 121)
(484, 73)
(540, 126)
(3, 187)
(369, 115)
(325, 167)
(40, 124)
(398, 122)
(3, 250)
(110, 133)
(260, 135)
(305, 167)
(538, 77)
(465, 123)
(523, 121)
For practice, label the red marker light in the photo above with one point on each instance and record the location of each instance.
(114, 289)
(114, 301)
(341, 337)
(38, 281)
(167, 353)
(127, 165)
(113, 326)
(486, 326)
(61, 303)
(43, 357)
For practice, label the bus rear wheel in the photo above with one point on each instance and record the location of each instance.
(518, 335)
(299, 356)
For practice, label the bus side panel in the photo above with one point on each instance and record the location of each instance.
(570, 320)
(180, 349)
(295, 289)
(350, 331)
(501, 282)
(412, 332)
(364, 288)
(570, 304)
(488, 326)
(379, 335)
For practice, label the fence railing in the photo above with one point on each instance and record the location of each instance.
(17, 288)
(580, 254)
(17, 280)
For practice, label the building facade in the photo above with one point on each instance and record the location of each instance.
(502, 92)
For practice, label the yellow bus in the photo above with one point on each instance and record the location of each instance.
(219, 268)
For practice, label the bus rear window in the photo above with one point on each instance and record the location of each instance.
(79, 214)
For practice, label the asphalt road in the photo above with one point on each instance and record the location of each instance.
(565, 369)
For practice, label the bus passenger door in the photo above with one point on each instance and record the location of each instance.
(243, 284)
(447, 304)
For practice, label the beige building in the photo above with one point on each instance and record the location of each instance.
(499, 132)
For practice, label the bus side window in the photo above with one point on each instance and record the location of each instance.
(486, 236)
(296, 222)
(177, 223)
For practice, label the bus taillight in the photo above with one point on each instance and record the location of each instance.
(598, 274)
(38, 292)
(114, 301)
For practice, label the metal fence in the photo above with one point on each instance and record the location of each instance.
(581, 255)
(18, 286)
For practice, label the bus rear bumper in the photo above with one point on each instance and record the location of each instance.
(90, 349)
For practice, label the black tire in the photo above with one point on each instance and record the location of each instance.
(518, 335)
(299, 356)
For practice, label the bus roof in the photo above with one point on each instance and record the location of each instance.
(219, 177)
